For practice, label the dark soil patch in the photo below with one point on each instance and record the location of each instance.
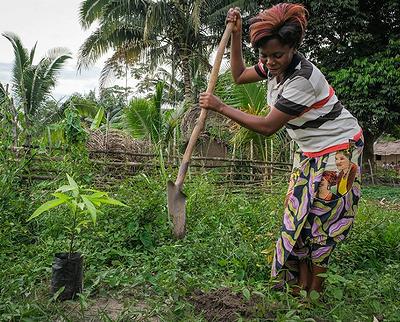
(225, 305)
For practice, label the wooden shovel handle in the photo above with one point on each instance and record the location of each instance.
(203, 114)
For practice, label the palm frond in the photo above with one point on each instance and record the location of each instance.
(3, 95)
(32, 54)
(99, 42)
(21, 61)
(137, 117)
(43, 78)
(90, 11)
(122, 55)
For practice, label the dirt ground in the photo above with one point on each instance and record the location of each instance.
(225, 305)
(104, 309)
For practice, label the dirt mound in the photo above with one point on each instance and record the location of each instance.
(224, 305)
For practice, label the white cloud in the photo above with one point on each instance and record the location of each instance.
(50, 23)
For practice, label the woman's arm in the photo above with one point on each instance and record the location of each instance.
(266, 125)
(241, 74)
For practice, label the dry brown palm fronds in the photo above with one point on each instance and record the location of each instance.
(116, 145)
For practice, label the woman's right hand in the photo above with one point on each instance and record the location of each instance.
(234, 16)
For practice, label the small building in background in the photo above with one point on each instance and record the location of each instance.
(387, 153)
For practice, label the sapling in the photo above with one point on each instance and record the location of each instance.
(81, 202)
(67, 276)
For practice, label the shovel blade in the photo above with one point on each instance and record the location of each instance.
(177, 209)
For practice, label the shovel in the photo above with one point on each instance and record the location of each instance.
(176, 198)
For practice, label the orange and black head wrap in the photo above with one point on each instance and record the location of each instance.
(285, 21)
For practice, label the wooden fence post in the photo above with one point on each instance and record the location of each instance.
(251, 159)
(372, 174)
(272, 159)
(266, 161)
(232, 163)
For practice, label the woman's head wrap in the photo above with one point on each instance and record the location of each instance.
(285, 21)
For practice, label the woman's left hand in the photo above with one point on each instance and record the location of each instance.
(210, 102)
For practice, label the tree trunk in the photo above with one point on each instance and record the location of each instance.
(14, 119)
(14, 122)
(186, 78)
(368, 153)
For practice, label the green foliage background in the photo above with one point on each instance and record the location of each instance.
(131, 257)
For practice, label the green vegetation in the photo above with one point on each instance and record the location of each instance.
(81, 202)
(31, 87)
(134, 269)
(131, 258)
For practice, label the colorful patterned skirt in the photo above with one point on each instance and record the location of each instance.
(320, 206)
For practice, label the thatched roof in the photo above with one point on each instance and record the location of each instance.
(117, 140)
(387, 148)
(189, 121)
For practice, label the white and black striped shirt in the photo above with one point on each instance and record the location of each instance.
(322, 124)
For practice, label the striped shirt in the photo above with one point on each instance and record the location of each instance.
(322, 124)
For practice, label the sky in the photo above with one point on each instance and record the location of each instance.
(50, 23)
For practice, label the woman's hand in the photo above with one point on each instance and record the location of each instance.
(210, 102)
(234, 16)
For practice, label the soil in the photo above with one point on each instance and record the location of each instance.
(225, 305)
(113, 308)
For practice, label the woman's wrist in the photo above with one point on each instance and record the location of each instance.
(220, 108)
(237, 34)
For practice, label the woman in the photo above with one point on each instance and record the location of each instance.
(348, 171)
(301, 99)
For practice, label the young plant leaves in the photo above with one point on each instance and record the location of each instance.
(46, 206)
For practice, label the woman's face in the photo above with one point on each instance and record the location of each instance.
(276, 56)
(342, 162)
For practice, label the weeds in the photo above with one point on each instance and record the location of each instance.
(132, 257)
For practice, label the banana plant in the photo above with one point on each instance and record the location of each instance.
(84, 205)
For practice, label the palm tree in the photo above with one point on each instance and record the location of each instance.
(179, 33)
(32, 84)
(146, 120)
(8, 112)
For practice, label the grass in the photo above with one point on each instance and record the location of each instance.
(134, 270)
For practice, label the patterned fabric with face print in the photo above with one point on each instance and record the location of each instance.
(320, 206)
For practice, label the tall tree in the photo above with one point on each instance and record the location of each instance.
(340, 31)
(32, 83)
(352, 40)
(370, 87)
(180, 33)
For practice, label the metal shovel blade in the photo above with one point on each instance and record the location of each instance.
(177, 209)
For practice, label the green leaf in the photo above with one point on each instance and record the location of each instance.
(97, 119)
(314, 295)
(75, 189)
(337, 293)
(81, 205)
(246, 293)
(83, 223)
(65, 188)
(98, 194)
(57, 294)
(303, 294)
(62, 196)
(111, 201)
(46, 206)
(92, 190)
(91, 208)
